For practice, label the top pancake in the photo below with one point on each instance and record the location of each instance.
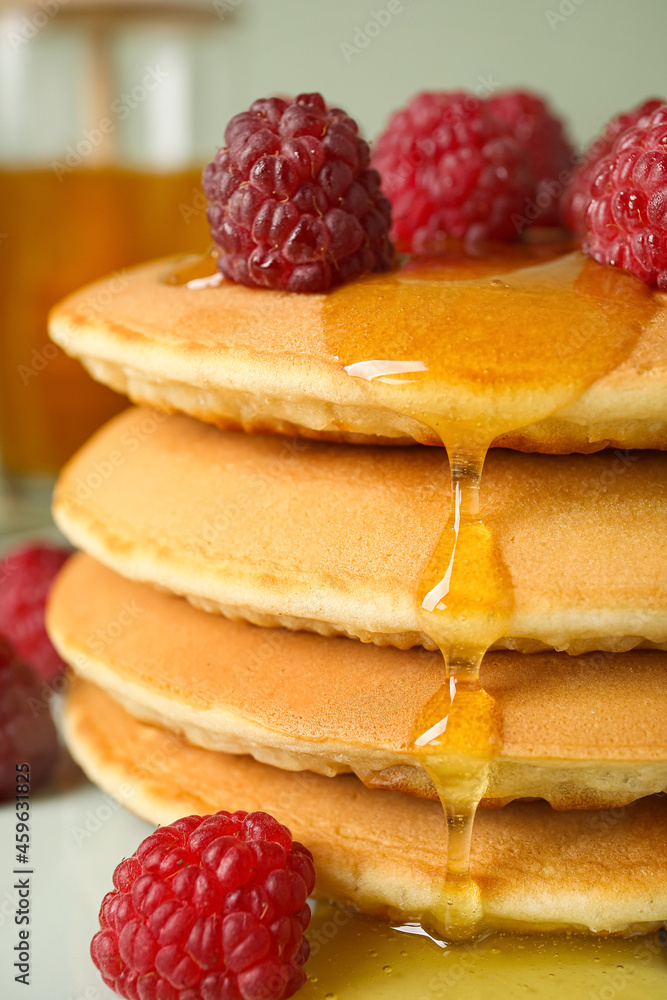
(270, 361)
(335, 538)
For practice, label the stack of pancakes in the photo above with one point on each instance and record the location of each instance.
(242, 620)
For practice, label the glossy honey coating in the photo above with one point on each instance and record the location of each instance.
(537, 327)
(510, 352)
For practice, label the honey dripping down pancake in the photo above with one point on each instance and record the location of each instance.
(514, 340)
(498, 332)
(566, 317)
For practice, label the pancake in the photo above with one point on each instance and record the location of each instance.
(268, 361)
(538, 870)
(335, 538)
(582, 732)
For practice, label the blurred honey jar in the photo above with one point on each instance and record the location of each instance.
(102, 143)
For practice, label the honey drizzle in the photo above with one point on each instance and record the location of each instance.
(504, 353)
(464, 598)
(455, 753)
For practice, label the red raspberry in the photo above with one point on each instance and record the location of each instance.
(26, 575)
(208, 908)
(577, 195)
(452, 169)
(292, 203)
(27, 733)
(626, 220)
(541, 133)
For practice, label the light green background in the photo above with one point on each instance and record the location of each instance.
(604, 56)
(593, 57)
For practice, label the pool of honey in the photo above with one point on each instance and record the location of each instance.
(473, 347)
(356, 958)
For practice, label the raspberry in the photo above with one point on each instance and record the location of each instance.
(577, 196)
(27, 733)
(626, 219)
(208, 908)
(26, 575)
(292, 202)
(452, 169)
(541, 133)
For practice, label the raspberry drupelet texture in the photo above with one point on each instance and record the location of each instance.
(26, 576)
(452, 169)
(27, 732)
(626, 219)
(208, 908)
(577, 195)
(292, 202)
(540, 131)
